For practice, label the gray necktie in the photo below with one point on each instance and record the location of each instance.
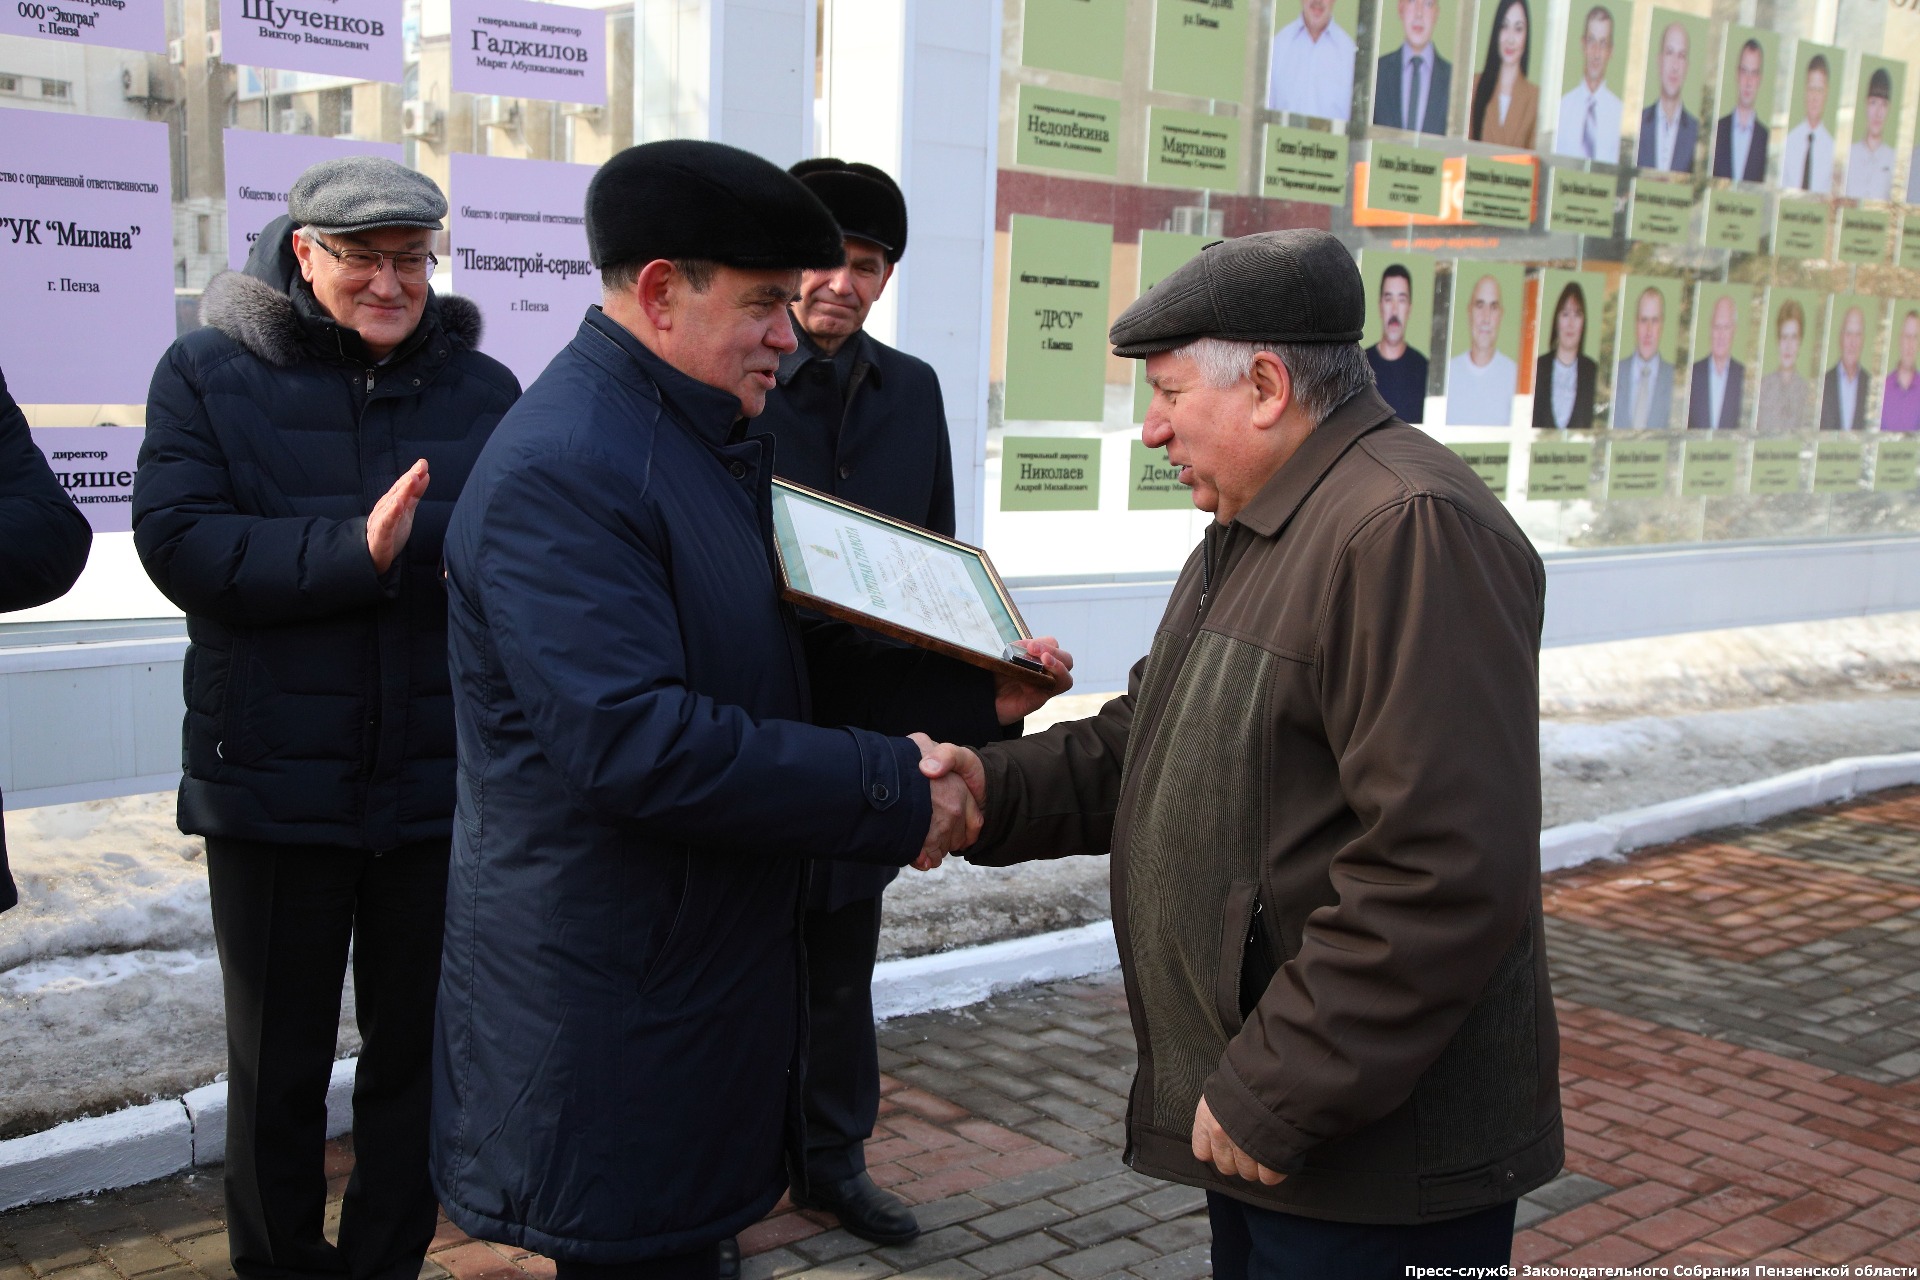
(1588, 130)
(1641, 397)
(1413, 97)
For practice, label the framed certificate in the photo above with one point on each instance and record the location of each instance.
(886, 575)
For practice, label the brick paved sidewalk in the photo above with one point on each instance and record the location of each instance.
(1740, 1026)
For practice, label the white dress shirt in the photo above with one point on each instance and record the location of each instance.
(1569, 138)
(1793, 162)
(1311, 77)
(1849, 393)
(1641, 380)
(1481, 397)
(1716, 390)
(1566, 383)
(1869, 172)
(1666, 133)
(1742, 143)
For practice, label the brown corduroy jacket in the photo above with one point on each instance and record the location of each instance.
(1322, 796)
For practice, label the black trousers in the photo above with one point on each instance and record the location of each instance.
(842, 1097)
(284, 918)
(1251, 1243)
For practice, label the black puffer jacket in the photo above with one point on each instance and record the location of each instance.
(318, 707)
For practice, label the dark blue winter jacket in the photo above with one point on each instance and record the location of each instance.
(317, 700)
(619, 1005)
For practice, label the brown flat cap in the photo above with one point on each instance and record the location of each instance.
(1273, 286)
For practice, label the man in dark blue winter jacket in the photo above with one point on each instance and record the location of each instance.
(643, 767)
(303, 452)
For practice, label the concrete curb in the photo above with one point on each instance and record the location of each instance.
(141, 1144)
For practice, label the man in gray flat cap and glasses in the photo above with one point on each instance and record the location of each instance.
(302, 455)
(1321, 794)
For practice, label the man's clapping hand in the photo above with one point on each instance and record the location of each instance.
(956, 809)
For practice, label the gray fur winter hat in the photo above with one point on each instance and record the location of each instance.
(358, 193)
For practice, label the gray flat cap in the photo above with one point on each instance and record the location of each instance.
(356, 193)
(1273, 286)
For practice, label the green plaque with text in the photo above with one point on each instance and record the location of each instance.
(1069, 131)
(1863, 236)
(1580, 203)
(1836, 466)
(1709, 468)
(1049, 473)
(1303, 164)
(1086, 37)
(1896, 465)
(1187, 149)
(1735, 220)
(1153, 483)
(1910, 241)
(1637, 469)
(1200, 47)
(1498, 193)
(1057, 319)
(1662, 211)
(1489, 462)
(1776, 466)
(1801, 228)
(1403, 180)
(1559, 470)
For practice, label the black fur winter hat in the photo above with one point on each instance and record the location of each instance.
(866, 202)
(685, 198)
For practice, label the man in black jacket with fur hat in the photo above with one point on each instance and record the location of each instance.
(853, 417)
(302, 457)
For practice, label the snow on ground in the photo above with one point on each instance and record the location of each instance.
(110, 994)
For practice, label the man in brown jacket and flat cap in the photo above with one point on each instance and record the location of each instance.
(1322, 796)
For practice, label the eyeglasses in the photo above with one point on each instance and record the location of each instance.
(364, 264)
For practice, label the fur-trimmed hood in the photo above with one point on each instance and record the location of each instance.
(256, 307)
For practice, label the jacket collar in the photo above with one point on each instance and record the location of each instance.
(797, 359)
(709, 412)
(1281, 496)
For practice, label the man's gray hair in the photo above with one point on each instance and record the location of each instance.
(1325, 375)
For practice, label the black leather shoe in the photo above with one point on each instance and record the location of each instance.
(729, 1259)
(863, 1209)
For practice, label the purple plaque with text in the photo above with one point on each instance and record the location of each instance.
(261, 168)
(524, 49)
(86, 256)
(119, 24)
(95, 465)
(359, 39)
(520, 252)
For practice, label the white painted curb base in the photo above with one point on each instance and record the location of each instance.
(153, 1141)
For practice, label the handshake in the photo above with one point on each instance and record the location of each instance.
(955, 774)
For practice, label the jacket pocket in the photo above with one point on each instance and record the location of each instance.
(1238, 930)
(237, 744)
(677, 933)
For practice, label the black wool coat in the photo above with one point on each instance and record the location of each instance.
(318, 705)
(44, 541)
(883, 445)
(620, 1011)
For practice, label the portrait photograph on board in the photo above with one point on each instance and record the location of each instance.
(1566, 372)
(1749, 79)
(1398, 336)
(1645, 379)
(1413, 78)
(1504, 107)
(1900, 397)
(1594, 72)
(1483, 373)
(1882, 84)
(1807, 155)
(1312, 58)
(1790, 344)
(1855, 336)
(1676, 91)
(1719, 388)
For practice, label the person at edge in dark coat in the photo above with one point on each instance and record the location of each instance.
(652, 745)
(1320, 792)
(302, 455)
(853, 417)
(46, 540)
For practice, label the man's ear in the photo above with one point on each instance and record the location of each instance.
(1272, 389)
(658, 289)
(303, 254)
